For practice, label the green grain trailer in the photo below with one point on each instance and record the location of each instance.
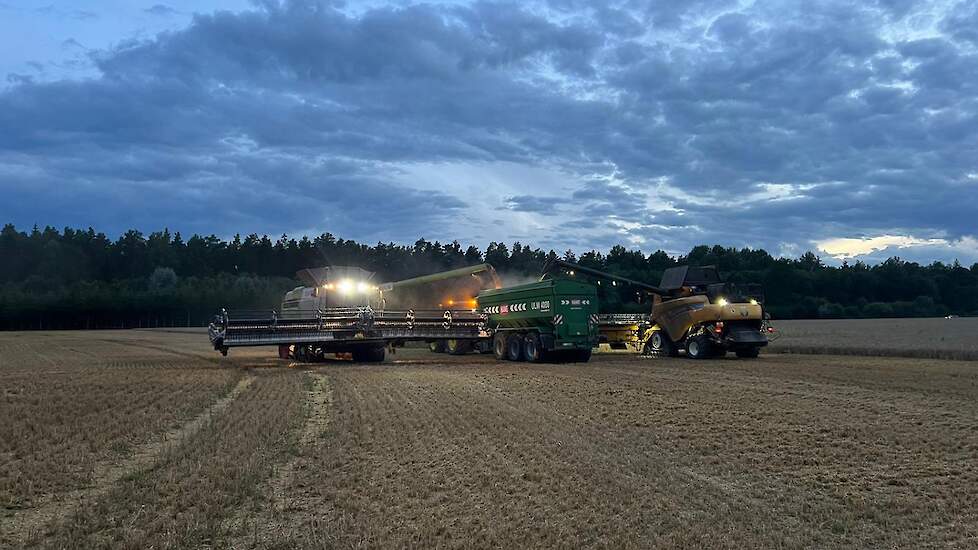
(551, 320)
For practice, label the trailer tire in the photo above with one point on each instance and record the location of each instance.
(499, 346)
(532, 349)
(438, 346)
(514, 347)
(698, 347)
(748, 353)
(458, 347)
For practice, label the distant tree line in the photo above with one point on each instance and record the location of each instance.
(83, 279)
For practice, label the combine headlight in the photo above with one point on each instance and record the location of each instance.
(753, 302)
(345, 286)
(363, 287)
(721, 301)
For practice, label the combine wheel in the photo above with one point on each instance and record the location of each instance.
(748, 353)
(698, 347)
(302, 354)
(438, 346)
(514, 347)
(499, 346)
(661, 345)
(532, 350)
(284, 351)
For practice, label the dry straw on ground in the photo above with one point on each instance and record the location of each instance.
(440, 451)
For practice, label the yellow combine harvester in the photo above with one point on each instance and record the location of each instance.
(693, 310)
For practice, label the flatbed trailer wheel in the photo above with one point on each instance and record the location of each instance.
(532, 350)
(457, 347)
(499, 346)
(302, 354)
(514, 347)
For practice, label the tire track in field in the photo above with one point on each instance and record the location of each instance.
(277, 501)
(21, 526)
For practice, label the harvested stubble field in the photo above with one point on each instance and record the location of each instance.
(185, 449)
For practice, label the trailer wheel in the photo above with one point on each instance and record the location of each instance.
(457, 347)
(698, 347)
(499, 346)
(514, 347)
(438, 346)
(532, 350)
(748, 353)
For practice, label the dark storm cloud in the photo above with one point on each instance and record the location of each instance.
(672, 123)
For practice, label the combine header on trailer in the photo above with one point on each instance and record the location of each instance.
(341, 311)
(362, 332)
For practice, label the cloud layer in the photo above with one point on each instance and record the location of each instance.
(564, 124)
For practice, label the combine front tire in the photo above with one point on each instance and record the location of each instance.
(660, 344)
(438, 346)
(698, 347)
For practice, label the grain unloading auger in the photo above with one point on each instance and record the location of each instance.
(692, 309)
(341, 311)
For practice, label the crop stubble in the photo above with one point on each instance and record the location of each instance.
(786, 451)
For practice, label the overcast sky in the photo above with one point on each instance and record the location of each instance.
(849, 128)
